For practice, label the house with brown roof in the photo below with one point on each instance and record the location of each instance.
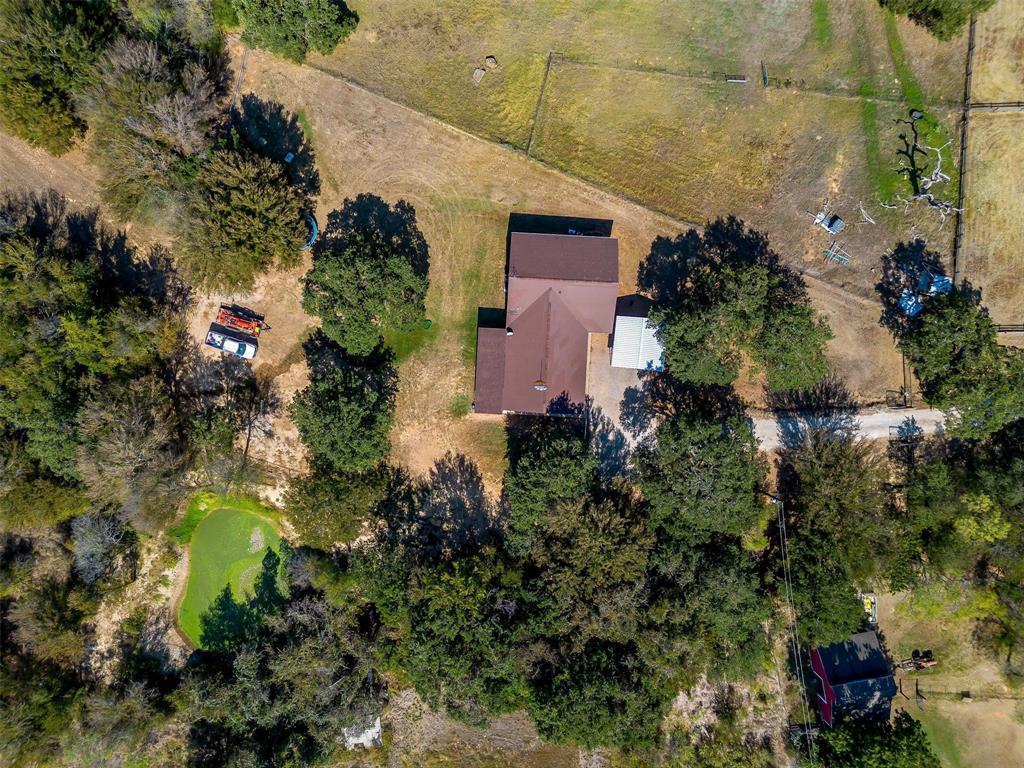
(561, 288)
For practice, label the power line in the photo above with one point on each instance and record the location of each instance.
(794, 632)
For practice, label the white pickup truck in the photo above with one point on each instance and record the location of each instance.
(242, 348)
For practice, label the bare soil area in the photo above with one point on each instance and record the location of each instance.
(28, 169)
(424, 738)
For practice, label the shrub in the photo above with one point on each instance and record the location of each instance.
(48, 51)
(243, 218)
(290, 28)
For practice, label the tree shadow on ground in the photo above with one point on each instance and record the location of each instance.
(667, 273)
(528, 433)
(46, 217)
(323, 353)
(908, 267)
(443, 515)
(396, 225)
(229, 623)
(660, 395)
(827, 407)
(273, 131)
(663, 274)
(609, 443)
(905, 445)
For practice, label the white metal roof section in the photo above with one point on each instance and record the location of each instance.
(635, 345)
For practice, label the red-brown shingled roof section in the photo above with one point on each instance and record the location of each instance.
(564, 257)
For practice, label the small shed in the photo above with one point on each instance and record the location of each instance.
(635, 345)
(854, 679)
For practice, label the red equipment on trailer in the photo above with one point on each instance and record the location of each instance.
(236, 330)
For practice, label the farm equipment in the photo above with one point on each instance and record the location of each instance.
(236, 330)
(870, 602)
(918, 660)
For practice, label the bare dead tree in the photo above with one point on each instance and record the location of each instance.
(922, 174)
(95, 539)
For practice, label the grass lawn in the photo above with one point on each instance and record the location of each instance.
(227, 540)
(942, 734)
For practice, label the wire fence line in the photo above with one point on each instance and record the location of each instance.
(958, 237)
(997, 106)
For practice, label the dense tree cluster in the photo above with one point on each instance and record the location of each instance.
(962, 368)
(148, 78)
(244, 218)
(580, 603)
(943, 18)
(951, 344)
(965, 523)
(369, 275)
(899, 744)
(78, 326)
(345, 414)
(840, 527)
(723, 298)
(292, 28)
(49, 50)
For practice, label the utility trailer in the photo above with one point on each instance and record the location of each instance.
(236, 330)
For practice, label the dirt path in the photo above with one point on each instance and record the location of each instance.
(872, 425)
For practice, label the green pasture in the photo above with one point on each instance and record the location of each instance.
(227, 539)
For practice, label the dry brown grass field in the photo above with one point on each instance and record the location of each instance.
(999, 53)
(423, 52)
(622, 109)
(993, 255)
(768, 156)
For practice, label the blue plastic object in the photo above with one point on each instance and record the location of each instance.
(314, 232)
(940, 285)
(909, 303)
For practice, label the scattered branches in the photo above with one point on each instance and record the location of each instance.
(914, 164)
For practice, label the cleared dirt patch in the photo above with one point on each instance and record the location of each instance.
(426, 739)
(993, 256)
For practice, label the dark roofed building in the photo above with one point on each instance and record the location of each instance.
(855, 679)
(561, 288)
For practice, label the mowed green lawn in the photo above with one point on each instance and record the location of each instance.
(227, 548)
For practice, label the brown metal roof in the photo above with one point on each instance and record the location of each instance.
(548, 348)
(593, 303)
(561, 288)
(564, 257)
(490, 369)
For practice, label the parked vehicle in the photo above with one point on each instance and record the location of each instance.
(236, 330)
